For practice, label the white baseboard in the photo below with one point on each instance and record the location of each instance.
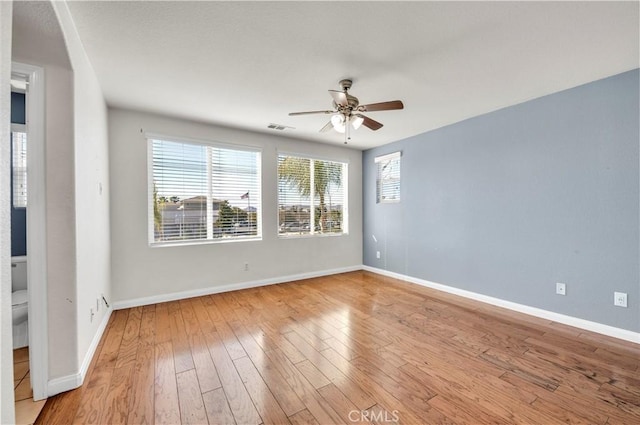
(70, 382)
(137, 302)
(521, 308)
(64, 383)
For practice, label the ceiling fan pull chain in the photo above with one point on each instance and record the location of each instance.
(347, 130)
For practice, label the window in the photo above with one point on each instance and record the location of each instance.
(19, 167)
(388, 178)
(201, 192)
(303, 211)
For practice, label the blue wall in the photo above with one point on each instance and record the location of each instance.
(509, 203)
(18, 215)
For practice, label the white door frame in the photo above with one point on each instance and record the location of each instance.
(36, 227)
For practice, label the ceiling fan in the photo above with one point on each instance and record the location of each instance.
(348, 111)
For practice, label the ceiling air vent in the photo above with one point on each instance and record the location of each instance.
(279, 127)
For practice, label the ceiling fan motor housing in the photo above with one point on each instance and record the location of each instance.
(352, 101)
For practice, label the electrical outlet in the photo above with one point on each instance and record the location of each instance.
(246, 267)
(377, 254)
(561, 288)
(620, 299)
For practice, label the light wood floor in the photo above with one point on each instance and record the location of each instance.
(27, 410)
(349, 348)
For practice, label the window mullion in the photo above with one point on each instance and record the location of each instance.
(209, 156)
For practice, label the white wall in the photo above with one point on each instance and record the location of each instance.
(37, 40)
(6, 344)
(93, 266)
(140, 271)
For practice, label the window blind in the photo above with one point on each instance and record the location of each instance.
(311, 196)
(200, 192)
(388, 178)
(19, 168)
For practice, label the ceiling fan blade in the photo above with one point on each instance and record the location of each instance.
(368, 122)
(339, 97)
(328, 126)
(310, 112)
(382, 106)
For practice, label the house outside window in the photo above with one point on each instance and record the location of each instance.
(201, 192)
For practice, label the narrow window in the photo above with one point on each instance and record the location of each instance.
(19, 168)
(388, 178)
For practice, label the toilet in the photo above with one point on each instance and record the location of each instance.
(19, 306)
(19, 302)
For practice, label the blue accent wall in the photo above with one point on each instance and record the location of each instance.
(18, 108)
(509, 203)
(18, 215)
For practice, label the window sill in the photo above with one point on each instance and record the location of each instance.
(315, 235)
(169, 244)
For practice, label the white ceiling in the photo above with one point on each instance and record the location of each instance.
(247, 64)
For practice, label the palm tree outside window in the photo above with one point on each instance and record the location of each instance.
(311, 196)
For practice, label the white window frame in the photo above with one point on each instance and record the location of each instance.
(387, 159)
(345, 206)
(149, 138)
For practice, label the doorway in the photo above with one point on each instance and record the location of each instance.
(31, 79)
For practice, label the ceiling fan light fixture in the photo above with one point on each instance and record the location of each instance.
(338, 123)
(356, 122)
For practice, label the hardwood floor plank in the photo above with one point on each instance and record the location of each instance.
(464, 412)
(342, 405)
(280, 342)
(206, 370)
(378, 392)
(130, 336)
(287, 399)
(163, 323)
(239, 400)
(217, 407)
(116, 407)
(231, 343)
(179, 339)
(313, 401)
(191, 322)
(264, 401)
(313, 375)
(94, 399)
(561, 413)
(109, 353)
(166, 405)
(202, 314)
(141, 406)
(192, 409)
(359, 396)
(303, 417)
